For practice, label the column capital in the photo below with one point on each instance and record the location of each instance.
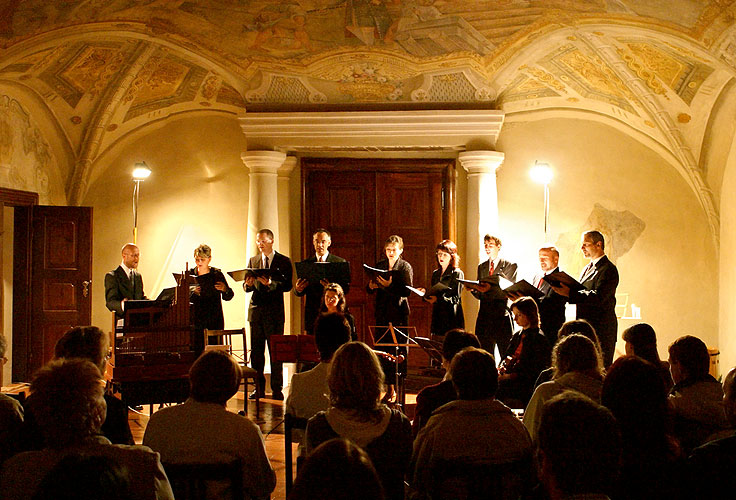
(481, 162)
(289, 163)
(263, 162)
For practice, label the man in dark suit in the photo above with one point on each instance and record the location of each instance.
(596, 302)
(552, 304)
(321, 239)
(493, 325)
(124, 283)
(266, 310)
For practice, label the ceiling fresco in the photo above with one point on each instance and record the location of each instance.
(106, 68)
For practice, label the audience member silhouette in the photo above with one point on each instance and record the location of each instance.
(433, 396)
(202, 430)
(568, 328)
(642, 341)
(84, 477)
(91, 343)
(578, 366)
(712, 467)
(356, 413)
(308, 391)
(472, 430)
(69, 408)
(339, 470)
(579, 448)
(696, 397)
(652, 459)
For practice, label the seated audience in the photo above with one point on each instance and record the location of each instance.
(527, 355)
(696, 397)
(338, 470)
(91, 343)
(308, 392)
(652, 460)
(356, 413)
(579, 448)
(642, 341)
(11, 418)
(474, 429)
(201, 430)
(83, 477)
(433, 396)
(69, 408)
(578, 366)
(712, 467)
(568, 328)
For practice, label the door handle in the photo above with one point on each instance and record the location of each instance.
(85, 288)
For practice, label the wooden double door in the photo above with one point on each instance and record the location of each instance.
(362, 202)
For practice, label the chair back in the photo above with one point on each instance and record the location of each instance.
(463, 480)
(226, 339)
(290, 423)
(202, 481)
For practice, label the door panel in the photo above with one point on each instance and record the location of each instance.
(61, 261)
(362, 202)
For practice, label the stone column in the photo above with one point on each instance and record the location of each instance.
(263, 208)
(263, 197)
(482, 201)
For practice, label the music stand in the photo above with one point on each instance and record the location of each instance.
(393, 336)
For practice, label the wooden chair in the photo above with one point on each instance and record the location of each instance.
(226, 337)
(191, 481)
(290, 423)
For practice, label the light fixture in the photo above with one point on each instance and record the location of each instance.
(542, 173)
(140, 173)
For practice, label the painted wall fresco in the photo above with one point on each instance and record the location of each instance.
(26, 160)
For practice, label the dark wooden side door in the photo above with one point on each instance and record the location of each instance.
(60, 271)
(362, 202)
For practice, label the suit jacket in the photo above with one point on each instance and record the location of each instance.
(596, 302)
(313, 292)
(267, 302)
(492, 310)
(118, 287)
(551, 309)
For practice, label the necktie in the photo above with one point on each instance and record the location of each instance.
(265, 262)
(491, 268)
(132, 281)
(587, 270)
(541, 280)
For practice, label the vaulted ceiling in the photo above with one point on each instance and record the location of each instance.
(106, 68)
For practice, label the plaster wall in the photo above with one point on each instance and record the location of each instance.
(727, 295)
(197, 193)
(669, 269)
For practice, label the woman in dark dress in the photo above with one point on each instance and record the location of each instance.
(447, 306)
(333, 301)
(211, 287)
(392, 303)
(527, 355)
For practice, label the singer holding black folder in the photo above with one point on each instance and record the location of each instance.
(447, 306)
(321, 239)
(266, 309)
(392, 301)
(206, 296)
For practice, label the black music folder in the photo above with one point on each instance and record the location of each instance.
(253, 272)
(334, 272)
(524, 288)
(436, 290)
(373, 272)
(562, 278)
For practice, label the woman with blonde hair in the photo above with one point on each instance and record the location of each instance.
(578, 366)
(356, 413)
(209, 292)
